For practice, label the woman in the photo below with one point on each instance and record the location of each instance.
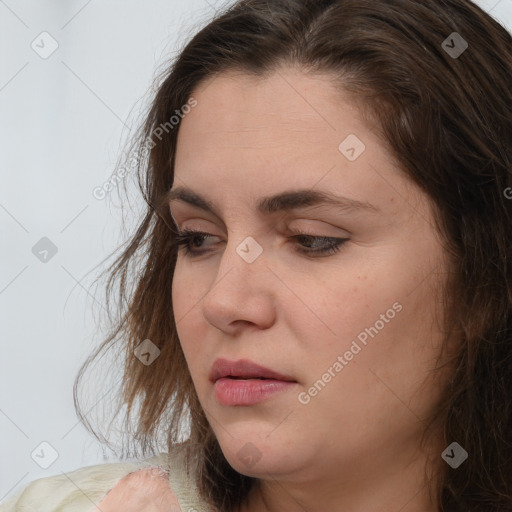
(327, 293)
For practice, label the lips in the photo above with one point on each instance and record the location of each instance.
(244, 369)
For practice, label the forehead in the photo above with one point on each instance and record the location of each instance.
(250, 137)
(279, 111)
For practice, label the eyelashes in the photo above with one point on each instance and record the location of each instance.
(187, 240)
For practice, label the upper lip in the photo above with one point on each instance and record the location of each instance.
(243, 368)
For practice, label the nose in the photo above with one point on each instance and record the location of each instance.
(243, 291)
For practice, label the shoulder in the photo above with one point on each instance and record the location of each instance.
(82, 489)
(146, 489)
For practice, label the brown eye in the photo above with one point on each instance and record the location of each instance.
(190, 241)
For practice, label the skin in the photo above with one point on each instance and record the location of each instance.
(146, 490)
(355, 446)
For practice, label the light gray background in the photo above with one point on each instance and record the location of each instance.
(63, 122)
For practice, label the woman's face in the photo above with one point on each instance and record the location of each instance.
(354, 329)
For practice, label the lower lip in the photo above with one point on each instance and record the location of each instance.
(248, 392)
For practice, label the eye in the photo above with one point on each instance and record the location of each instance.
(329, 245)
(186, 238)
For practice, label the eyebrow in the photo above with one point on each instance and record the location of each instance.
(284, 201)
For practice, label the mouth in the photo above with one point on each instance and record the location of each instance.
(240, 391)
(245, 378)
(244, 369)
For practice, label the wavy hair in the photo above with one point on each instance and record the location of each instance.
(446, 118)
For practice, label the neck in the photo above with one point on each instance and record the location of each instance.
(381, 488)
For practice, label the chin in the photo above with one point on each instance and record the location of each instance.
(256, 456)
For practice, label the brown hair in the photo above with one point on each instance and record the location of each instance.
(447, 120)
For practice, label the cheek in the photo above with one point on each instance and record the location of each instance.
(346, 307)
(188, 287)
(381, 309)
(186, 304)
